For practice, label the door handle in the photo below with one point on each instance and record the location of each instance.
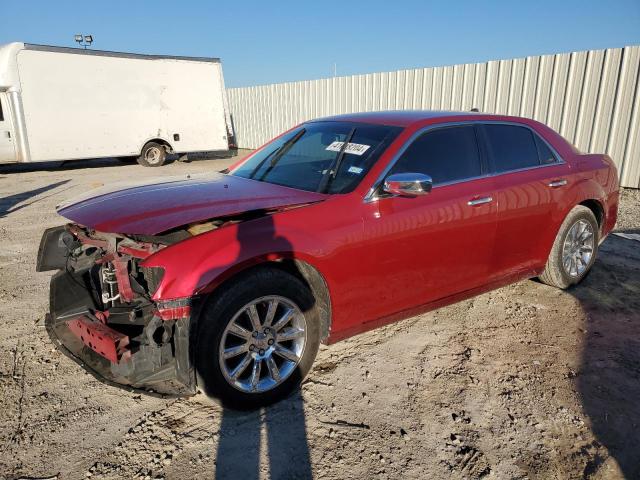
(7, 134)
(479, 201)
(558, 183)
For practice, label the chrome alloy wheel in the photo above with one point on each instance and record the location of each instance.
(263, 344)
(578, 248)
(153, 155)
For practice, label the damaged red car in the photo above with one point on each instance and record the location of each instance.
(229, 281)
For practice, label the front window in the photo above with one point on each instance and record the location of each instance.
(326, 157)
(447, 154)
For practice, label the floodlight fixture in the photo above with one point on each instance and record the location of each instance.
(83, 40)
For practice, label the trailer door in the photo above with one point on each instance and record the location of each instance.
(7, 145)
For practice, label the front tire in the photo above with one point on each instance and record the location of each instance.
(574, 249)
(257, 339)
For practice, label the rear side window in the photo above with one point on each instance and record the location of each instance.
(446, 155)
(511, 147)
(1, 114)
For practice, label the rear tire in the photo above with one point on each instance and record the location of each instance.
(228, 312)
(153, 155)
(574, 249)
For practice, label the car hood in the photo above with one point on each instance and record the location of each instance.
(155, 206)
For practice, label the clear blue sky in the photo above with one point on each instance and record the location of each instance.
(276, 41)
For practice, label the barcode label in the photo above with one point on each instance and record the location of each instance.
(353, 148)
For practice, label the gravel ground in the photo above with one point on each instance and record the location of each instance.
(522, 382)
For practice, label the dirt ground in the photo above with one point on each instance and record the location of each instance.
(523, 382)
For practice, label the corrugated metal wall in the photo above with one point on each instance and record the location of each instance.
(592, 98)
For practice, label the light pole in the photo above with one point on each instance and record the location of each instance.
(84, 40)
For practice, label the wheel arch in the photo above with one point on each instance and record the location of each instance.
(586, 197)
(158, 140)
(591, 194)
(299, 268)
(597, 208)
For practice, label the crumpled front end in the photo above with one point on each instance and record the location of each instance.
(102, 314)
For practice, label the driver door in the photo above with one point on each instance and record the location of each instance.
(428, 247)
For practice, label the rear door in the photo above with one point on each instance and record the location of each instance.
(529, 180)
(7, 144)
(429, 247)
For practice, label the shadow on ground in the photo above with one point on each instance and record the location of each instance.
(61, 166)
(283, 430)
(277, 432)
(15, 202)
(609, 378)
(104, 162)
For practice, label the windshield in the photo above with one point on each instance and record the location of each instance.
(327, 157)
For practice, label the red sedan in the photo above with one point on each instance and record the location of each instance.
(229, 281)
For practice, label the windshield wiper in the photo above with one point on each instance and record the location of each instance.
(279, 153)
(333, 170)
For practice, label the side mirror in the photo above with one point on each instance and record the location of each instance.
(408, 184)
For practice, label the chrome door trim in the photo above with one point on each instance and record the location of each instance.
(557, 183)
(479, 201)
(371, 193)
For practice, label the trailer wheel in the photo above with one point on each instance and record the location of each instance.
(153, 155)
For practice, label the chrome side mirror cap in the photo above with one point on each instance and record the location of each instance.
(408, 184)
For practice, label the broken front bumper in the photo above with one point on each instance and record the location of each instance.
(119, 356)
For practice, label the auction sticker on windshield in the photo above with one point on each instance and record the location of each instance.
(353, 148)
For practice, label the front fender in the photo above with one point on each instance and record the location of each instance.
(199, 264)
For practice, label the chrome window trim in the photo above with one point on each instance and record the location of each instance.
(371, 193)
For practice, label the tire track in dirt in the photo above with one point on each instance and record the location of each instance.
(157, 438)
(449, 363)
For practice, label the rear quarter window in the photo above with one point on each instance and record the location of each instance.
(544, 152)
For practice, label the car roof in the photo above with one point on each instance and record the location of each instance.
(420, 118)
(406, 118)
(400, 118)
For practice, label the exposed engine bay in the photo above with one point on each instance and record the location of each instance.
(103, 316)
(102, 311)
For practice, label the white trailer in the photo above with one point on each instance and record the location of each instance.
(61, 103)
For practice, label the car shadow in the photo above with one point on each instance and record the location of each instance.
(277, 432)
(17, 201)
(609, 377)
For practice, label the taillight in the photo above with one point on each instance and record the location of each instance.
(231, 141)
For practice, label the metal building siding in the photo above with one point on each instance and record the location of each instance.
(592, 98)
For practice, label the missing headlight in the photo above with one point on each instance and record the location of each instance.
(152, 276)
